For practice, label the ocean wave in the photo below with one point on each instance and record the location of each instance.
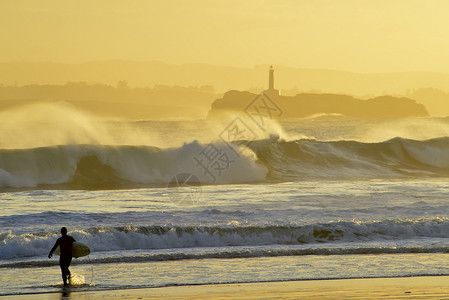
(172, 237)
(311, 159)
(113, 167)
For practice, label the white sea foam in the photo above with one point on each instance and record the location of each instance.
(160, 237)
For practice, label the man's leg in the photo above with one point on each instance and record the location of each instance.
(64, 273)
(64, 264)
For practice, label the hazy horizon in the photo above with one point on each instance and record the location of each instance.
(191, 53)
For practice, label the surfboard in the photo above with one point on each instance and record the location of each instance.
(78, 250)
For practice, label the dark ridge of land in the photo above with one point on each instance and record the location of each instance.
(306, 105)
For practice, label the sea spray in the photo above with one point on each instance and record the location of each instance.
(100, 166)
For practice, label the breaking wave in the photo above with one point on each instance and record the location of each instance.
(177, 237)
(111, 167)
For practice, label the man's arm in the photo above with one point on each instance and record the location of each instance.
(53, 249)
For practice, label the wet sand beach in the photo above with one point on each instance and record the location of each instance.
(429, 287)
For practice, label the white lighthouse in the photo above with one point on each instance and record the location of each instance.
(271, 90)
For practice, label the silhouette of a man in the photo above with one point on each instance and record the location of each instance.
(65, 246)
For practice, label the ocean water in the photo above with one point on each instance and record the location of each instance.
(191, 202)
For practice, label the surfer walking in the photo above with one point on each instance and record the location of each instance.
(65, 259)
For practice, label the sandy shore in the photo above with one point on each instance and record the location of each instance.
(436, 287)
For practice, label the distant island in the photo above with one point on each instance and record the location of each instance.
(306, 105)
(310, 104)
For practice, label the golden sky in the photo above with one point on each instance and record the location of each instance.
(351, 35)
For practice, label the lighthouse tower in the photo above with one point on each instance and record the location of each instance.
(272, 92)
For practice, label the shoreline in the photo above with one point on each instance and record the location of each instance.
(418, 287)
